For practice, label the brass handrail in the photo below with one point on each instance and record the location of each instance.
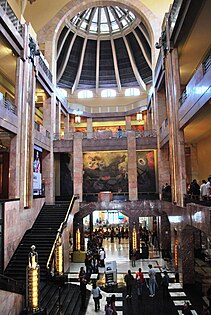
(60, 230)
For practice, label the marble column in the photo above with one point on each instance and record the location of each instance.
(89, 128)
(78, 165)
(128, 122)
(132, 166)
(58, 120)
(187, 255)
(66, 126)
(48, 157)
(162, 152)
(27, 131)
(176, 136)
(15, 143)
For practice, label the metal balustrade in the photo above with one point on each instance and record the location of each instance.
(45, 67)
(107, 134)
(12, 16)
(206, 63)
(7, 104)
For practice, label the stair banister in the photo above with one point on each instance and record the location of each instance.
(60, 230)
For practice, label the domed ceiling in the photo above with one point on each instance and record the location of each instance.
(104, 47)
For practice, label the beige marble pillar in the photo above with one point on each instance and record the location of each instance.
(72, 124)
(89, 128)
(58, 120)
(66, 126)
(15, 144)
(78, 165)
(132, 166)
(162, 153)
(48, 157)
(27, 134)
(128, 122)
(176, 136)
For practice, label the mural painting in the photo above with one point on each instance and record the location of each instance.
(105, 171)
(146, 171)
(66, 178)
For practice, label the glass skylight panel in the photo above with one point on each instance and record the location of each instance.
(112, 19)
(114, 26)
(93, 27)
(84, 25)
(103, 18)
(95, 17)
(104, 28)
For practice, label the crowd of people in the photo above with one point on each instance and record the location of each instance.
(203, 191)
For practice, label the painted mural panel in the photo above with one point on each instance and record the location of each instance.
(105, 171)
(146, 171)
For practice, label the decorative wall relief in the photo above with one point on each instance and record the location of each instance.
(105, 171)
(146, 171)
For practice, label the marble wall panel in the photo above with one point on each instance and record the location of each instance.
(11, 303)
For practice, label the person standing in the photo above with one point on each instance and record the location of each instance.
(102, 257)
(96, 296)
(129, 279)
(152, 281)
(133, 258)
(203, 190)
(140, 281)
(165, 284)
(186, 309)
(113, 306)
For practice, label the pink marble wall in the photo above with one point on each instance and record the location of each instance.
(11, 303)
(16, 222)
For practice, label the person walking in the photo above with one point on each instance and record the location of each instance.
(152, 281)
(108, 309)
(140, 281)
(133, 258)
(113, 306)
(165, 284)
(96, 296)
(102, 257)
(129, 279)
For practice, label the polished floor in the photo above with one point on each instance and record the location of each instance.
(146, 305)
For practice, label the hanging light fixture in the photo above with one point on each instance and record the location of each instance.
(77, 119)
(139, 116)
(31, 1)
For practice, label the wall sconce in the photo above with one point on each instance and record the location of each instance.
(77, 119)
(59, 257)
(78, 240)
(33, 275)
(134, 239)
(139, 116)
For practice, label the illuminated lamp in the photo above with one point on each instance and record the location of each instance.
(77, 119)
(176, 254)
(139, 116)
(59, 257)
(78, 240)
(33, 276)
(134, 239)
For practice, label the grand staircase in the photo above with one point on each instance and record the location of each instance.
(42, 235)
(55, 298)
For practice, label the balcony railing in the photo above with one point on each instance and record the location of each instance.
(12, 16)
(104, 135)
(8, 104)
(206, 63)
(44, 67)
